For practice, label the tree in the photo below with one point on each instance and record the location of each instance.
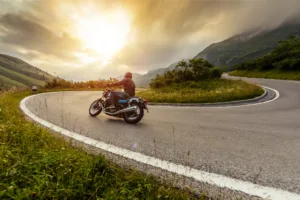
(193, 70)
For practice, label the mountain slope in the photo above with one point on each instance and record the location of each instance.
(237, 49)
(21, 78)
(15, 72)
(247, 46)
(7, 83)
(282, 63)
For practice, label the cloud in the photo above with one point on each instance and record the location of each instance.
(259, 14)
(32, 36)
(169, 30)
(175, 18)
(96, 70)
(162, 31)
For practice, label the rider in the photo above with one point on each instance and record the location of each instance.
(128, 85)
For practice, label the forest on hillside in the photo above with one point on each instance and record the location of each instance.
(285, 57)
(61, 83)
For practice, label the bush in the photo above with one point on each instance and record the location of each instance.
(283, 65)
(158, 84)
(193, 70)
(295, 64)
(215, 73)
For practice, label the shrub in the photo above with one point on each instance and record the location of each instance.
(193, 70)
(215, 73)
(295, 64)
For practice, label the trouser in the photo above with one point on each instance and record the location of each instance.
(115, 96)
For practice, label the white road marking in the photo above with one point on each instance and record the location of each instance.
(202, 176)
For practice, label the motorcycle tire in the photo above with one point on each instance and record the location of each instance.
(127, 119)
(98, 111)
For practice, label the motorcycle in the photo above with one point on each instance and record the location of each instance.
(131, 109)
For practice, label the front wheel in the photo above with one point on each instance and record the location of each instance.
(95, 108)
(135, 116)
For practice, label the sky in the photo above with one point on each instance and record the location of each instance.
(95, 39)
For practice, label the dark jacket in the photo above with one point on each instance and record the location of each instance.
(128, 85)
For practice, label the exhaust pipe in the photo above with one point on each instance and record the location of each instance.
(130, 109)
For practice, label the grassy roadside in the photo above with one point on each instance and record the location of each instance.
(271, 74)
(218, 90)
(36, 165)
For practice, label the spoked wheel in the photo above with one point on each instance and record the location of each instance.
(135, 116)
(95, 108)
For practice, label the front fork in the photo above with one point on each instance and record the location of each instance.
(102, 101)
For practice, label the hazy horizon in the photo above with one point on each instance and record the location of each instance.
(83, 40)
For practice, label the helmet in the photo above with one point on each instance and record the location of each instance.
(128, 75)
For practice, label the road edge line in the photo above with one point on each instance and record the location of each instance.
(201, 176)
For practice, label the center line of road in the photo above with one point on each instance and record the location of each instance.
(202, 176)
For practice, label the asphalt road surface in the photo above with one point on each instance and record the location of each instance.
(258, 143)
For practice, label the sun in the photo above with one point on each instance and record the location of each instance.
(104, 33)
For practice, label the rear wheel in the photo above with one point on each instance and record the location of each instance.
(135, 116)
(95, 108)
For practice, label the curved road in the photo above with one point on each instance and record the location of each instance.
(257, 143)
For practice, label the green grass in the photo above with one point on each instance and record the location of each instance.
(218, 90)
(34, 164)
(20, 77)
(272, 74)
(6, 83)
